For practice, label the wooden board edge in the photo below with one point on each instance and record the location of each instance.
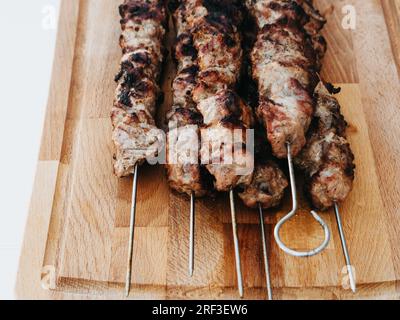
(61, 79)
(391, 10)
(28, 281)
(107, 290)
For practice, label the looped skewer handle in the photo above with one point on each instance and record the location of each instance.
(279, 225)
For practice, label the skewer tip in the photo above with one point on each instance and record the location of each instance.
(265, 253)
(131, 232)
(191, 234)
(353, 288)
(353, 285)
(236, 244)
(241, 292)
(345, 249)
(127, 289)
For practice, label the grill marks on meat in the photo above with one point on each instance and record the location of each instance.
(267, 187)
(269, 182)
(208, 54)
(135, 135)
(215, 28)
(270, 11)
(214, 25)
(327, 158)
(285, 66)
(184, 172)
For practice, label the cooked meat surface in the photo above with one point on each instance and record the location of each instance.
(268, 12)
(285, 65)
(266, 188)
(135, 141)
(135, 135)
(225, 104)
(225, 155)
(327, 158)
(185, 175)
(209, 56)
(184, 171)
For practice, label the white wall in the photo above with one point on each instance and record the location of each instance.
(27, 39)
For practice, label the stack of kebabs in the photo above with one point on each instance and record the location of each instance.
(209, 56)
(285, 62)
(298, 115)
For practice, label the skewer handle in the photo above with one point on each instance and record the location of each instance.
(293, 212)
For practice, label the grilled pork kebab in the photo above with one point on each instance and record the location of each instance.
(209, 57)
(135, 134)
(327, 159)
(285, 62)
(184, 171)
(216, 37)
(286, 59)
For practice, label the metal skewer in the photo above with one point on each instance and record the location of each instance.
(280, 243)
(236, 244)
(131, 232)
(191, 235)
(345, 249)
(265, 252)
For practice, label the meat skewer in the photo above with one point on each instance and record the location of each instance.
(327, 161)
(203, 84)
(135, 135)
(285, 61)
(323, 190)
(269, 183)
(265, 191)
(214, 26)
(185, 174)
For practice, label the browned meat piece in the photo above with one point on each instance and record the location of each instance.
(225, 158)
(267, 187)
(208, 54)
(282, 62)
(180, 117)
(322, 148)
(188, 179)
(327, 158)
(327, 113)
(143, 26)
(218, 43)
(137, 92)
(135, 142)
(332, 184)
(267, 12)
(135, 135)
(225, 104)
(214, 25)
(185, 174)
(184, 85)
(314, 21)
(186, 78)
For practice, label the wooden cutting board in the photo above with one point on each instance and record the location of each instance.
(77, 234)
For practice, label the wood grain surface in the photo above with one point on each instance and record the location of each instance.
(76, 238)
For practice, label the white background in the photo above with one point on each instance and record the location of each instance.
(27, 35)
